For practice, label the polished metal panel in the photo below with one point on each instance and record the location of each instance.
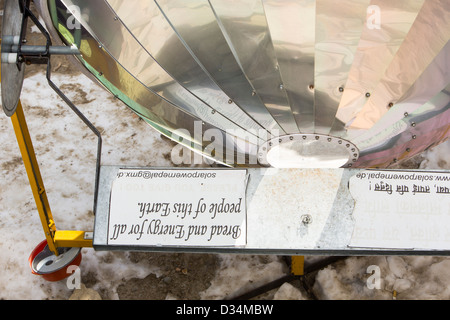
(301, 150)
(12, 75)
(432, 81)
(339, 25)
(379, 43)
(248, 34)
(158, 38)
(428, 35)
(158, 112)
(374, 74)
(292, 29)
(121, 45)
(409, 136)
(197, 27)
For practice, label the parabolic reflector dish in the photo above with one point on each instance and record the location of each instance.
(287, 83)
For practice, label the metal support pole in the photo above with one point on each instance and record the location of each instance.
(34, 176)
(55, 238)
(298, 265)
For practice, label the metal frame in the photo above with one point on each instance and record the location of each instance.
(55, 238)
(41, 55)
(317, 208)
(75, 238)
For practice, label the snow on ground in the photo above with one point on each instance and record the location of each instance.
(66, 152)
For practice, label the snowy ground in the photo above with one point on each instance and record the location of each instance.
(66, 151)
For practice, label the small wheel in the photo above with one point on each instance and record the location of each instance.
(53, 268)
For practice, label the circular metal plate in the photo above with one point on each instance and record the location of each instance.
(46, 262)
(308, 151)
(12, 77)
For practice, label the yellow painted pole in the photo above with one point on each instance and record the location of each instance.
(34, 175)
(55, 239)
(297, 265)
(72, 239)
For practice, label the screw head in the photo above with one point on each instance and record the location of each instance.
(306, 219)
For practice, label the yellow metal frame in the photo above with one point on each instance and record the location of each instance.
(55, 238)
(298, 265)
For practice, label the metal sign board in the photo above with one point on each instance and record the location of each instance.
(178, 208)
(408, 210)
(275, 211)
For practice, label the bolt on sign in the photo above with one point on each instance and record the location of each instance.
(176, 207)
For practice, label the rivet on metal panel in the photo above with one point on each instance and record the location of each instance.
(306, 219)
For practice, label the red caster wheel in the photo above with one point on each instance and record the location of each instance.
(53, 268)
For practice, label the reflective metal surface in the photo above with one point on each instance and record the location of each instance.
(375, 51)
(248, 34)
(157, 37)
(426, 38)
(123, 47)
(12, 75)
(308, 151)
(197, 27)
(339, 25)
(249, 72)
(292, 29)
